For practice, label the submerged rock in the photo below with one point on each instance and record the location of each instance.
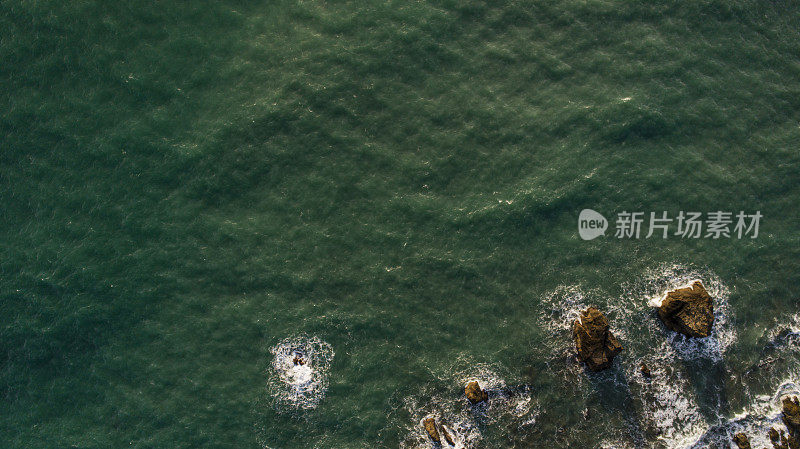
(474, 393)
(596, 345)
(785, 336)
(741, 441)
(430, 427)
(688, 310)
(645, 370)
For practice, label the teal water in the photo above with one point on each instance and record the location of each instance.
(188, 186)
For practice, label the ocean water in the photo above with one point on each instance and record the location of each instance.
(192, 194)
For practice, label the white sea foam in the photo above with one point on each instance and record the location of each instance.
(668, 404)
(300, 385)
(562, 307)
(657, 300)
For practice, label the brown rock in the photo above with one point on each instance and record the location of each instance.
(474, 393)
(779, 440)
(430, 427)
(741, 441)
(645, 370)
(791, 414)
(446, 435)
(688, 310)
(595, 344)
(298, 360)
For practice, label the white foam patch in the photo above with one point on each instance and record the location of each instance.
(562, 307)
(667, 407)
(657, 300)
(613, 445)
(299, 385)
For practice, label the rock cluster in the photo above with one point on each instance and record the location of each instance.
(433, 431)
(595, 344)
(437, 432)
(779, 440)
(688, 310)
(791, 417)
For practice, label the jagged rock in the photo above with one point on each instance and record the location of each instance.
(430, 427)
(298, 360)
(645, 370)
(779, 440)
(595, 344)
(741, 441)
(791, 414)
(446, 435)
(688, 310)
(474, 393)
(791, 417)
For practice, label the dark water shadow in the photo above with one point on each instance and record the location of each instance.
(576, 421)
(615, 397)
(707, 379)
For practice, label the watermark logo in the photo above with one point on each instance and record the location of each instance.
(591, 224)
(686, 225)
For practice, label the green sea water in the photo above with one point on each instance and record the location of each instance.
(186, 185)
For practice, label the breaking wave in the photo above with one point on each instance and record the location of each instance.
(298, 377)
